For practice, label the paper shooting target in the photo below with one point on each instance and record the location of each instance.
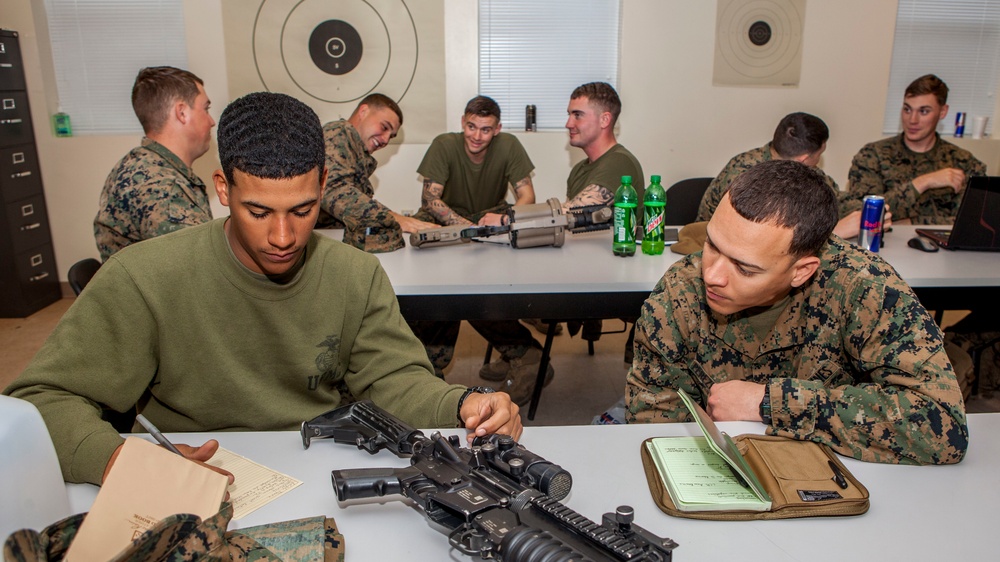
(759, 42)
(336, 52)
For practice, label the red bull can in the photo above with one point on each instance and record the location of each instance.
(872, 215)
(960, 124)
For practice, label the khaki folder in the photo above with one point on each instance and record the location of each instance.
(784, 467)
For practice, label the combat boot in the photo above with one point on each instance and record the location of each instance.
(522, 375)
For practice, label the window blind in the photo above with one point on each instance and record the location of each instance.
(98, 47)
(536, 53)
(959, 41)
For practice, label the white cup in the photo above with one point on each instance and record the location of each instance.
(979, 127)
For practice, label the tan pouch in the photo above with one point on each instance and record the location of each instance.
(785, 467)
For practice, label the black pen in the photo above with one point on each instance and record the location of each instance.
(838, 476)
(159, 436)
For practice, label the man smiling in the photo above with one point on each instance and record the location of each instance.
(921, 175)
(776, 321)
(251, 322)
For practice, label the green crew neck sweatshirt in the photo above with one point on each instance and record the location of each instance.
(178, 326)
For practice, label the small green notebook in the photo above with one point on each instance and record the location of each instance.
(707, 473)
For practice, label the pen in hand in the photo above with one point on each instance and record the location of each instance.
(156, 434)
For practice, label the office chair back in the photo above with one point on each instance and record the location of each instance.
(683, 199)
(80, 273)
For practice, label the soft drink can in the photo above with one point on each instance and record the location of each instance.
(960, 124)
(872, 213)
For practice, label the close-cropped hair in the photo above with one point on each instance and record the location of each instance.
(799, 133)
(155, 91)
(790, 195)
(381, 101)
(483, 106)
(602, 95)
(928, 84)
(270, 135)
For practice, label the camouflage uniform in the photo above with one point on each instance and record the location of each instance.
(736, 166)
(853, 361)
(887, 167)
(150, 192)
(348, 196)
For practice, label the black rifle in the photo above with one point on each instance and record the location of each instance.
(497, 499)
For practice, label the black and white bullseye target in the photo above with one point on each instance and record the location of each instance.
(759, 42)
(335, 51)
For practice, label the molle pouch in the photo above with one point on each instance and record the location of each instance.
(798, 475)
(375, 239)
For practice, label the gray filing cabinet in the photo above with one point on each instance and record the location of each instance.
(28, 277)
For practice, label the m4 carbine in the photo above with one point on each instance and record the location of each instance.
(529, 226)
(499, 500)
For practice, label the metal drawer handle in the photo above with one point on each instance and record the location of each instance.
(10, 121)
(21, 174)
(31, 226)
(38, 277)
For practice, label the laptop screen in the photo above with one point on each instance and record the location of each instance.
(977, 225)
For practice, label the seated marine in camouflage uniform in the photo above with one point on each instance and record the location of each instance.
(153, 190)
(777, 321)
(800, 137)
(348, 198)
(921, 175)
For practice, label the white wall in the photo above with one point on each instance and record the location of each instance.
(675, 121)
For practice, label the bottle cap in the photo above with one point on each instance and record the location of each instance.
(654, 179)
(626, 179)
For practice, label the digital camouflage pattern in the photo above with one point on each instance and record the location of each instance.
(853, 361)
(348, 195)
(150, 192)
(887, 167)
(186, 538)
(736, 166)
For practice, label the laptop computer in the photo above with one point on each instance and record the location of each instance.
(977, 225)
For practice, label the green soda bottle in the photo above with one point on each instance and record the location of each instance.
(626, 201)
(653, 202)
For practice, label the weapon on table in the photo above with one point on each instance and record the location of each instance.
(529, 226)
(497, 499)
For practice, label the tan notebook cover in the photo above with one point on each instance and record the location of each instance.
(146, 484)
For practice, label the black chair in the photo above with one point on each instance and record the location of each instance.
(683, 199)
(80, 273)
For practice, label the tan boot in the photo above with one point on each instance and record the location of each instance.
(495, 371)
(523, 373)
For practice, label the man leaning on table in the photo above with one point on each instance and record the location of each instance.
(348, 196)
(245, 323)
(778, 321)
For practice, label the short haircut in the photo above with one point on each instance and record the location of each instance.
(156, 89)
(928, 84)
(798, 134)
(602, 95)
(270, 135)
(790, 195)
(482, 106)
(381, 101)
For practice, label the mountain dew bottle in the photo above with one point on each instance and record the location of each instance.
(626, 201)
(653, 202)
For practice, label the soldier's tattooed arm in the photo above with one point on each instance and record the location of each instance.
(432, 203)
(524, 192)
(593, 194)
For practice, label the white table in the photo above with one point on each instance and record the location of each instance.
(583, 279)
(917, 513)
